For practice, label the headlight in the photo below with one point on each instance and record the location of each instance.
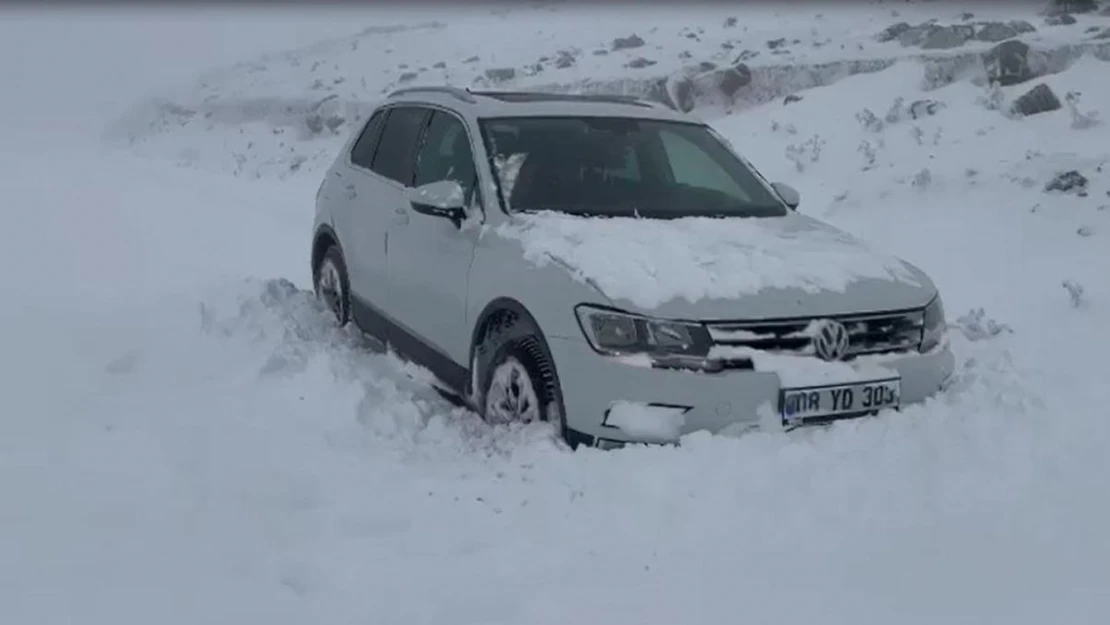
(934, 323)
(616, 333)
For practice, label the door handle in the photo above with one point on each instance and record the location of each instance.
(400, 215)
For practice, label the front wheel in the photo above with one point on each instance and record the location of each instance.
(520, 387)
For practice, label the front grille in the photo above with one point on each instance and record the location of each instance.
(877, 333)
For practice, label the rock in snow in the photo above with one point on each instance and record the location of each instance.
(1060, 7)
(1008, 63)
(1039, 99)
(1067, 182)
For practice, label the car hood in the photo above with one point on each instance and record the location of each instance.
(722, 268)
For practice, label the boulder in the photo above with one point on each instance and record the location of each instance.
(564, 59)
(1008, 63)
(639, 63)
(892, 32)
(916, 35)
(1059, 7)
(947, 37)
(1063, 19)
(1039, 99)
(628, 43)
(677, 92)
(733, 78)
(1067, 182)
(924, 108)
(500, 74)
(1001, 31)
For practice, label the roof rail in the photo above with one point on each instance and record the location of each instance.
(460, 94)
(660, 105)
(584, 97)
(652, 103)
(621, 97)
(635, 99)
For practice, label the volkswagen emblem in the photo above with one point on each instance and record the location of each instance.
(830, 340)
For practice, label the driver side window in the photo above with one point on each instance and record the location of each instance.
(446, 154)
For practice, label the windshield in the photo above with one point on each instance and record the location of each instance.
(609, 166)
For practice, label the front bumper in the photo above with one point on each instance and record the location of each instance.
(719, 402)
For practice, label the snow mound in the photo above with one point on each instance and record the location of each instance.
(289, 333)
(291, 324)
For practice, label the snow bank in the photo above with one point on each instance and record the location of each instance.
(649, 262)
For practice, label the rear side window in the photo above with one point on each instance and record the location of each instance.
(362, 152)
(396, 151)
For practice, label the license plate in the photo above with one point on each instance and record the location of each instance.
(822, 402)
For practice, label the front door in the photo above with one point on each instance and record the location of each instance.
(429, 257)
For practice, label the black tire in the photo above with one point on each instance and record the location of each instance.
(527, 354)
(338, 302)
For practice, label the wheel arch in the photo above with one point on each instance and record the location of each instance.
(506, 310)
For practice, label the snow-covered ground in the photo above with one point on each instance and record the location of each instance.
(183, 441)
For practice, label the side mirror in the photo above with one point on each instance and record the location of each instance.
(789, 194)
(443, 198)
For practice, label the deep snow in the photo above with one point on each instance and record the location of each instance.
(183, 441)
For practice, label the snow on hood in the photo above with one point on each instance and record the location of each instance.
(651, 261)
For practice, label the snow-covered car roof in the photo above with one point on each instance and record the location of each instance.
(538, 104)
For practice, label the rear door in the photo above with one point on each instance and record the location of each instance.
(382, 169)
(382, 191)
(361, 228)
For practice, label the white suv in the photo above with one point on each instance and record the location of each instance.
(613, 267)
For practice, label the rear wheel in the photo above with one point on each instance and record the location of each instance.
(332, 286)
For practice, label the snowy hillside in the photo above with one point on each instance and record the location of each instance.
(281, 114)
(182, 439)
